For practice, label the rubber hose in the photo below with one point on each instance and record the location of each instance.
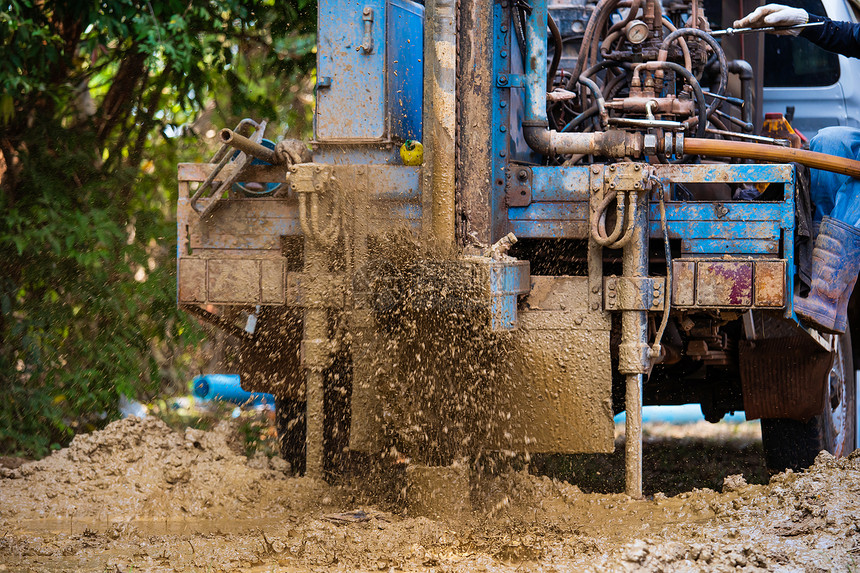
(762, 152)
(718, 50)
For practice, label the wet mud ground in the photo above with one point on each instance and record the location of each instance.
(139, 496)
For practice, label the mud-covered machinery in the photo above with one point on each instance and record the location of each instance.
(593, 225)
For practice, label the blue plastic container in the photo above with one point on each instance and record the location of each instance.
(405, 53)
(226, 387)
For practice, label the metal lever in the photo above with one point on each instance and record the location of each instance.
(734, 31)
(367, 43)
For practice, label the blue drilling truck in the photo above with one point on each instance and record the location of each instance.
(514, 221)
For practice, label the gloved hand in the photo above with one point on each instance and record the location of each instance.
(292, 151)
(774, 15)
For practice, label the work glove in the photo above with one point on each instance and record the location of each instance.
(292, 151)
(775, 15)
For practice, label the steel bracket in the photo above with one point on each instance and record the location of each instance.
(628, 176)
(518, 191)
(310, 177)
(634, 293)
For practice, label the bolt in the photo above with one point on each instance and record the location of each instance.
(503, 79)
(611, 286)
(502, 153)
(318, 186)
(686, 245)
(771, 247)
(503, 104)
(502, 128)
(612, 167)
(655, 303)
(612, 295)
(636, 167)
(367, 10)
(612, 185)
(318, 169)
(522, 175)
(361, 170)
(637, 185)
(503, 54)
(595, 169)
(595, 305)
(504, 29)
(595, 289)
(577, 320)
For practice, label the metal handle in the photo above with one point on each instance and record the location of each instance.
(367, 42)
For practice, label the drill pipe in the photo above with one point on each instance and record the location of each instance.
(242, 143)
(761, 152)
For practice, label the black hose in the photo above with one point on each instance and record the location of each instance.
(578, 120)
(718, 50)
(556, 54)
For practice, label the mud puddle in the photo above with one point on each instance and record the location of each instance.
(138, 496)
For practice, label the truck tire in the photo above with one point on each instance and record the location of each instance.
(290, 425)
(793, 444)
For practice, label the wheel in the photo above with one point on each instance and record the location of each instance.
(290, 424)
(793, 444)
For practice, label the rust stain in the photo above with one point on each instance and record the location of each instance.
(770, 283)
(724, 284)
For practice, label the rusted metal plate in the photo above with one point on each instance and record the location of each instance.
(683, 283)
(770, 284)
(783, 377)
(558, 395)
(518, 191)
(192, 280)
(233, 280)
(724, 283)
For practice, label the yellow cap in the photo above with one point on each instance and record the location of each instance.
(412, 152)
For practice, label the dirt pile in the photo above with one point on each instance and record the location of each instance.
(142, 469)
(139, 496)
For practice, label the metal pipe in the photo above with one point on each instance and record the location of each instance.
(440, 70)
(612, 143)
(242, 143)
(535, 64)
(633, 352)
(744, 71)
(761, 152)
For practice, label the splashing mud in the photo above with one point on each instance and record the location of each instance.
(139, 496)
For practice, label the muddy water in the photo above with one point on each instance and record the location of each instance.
(139, 497)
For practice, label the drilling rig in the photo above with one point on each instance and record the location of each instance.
(586, 221)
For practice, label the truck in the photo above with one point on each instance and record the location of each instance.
(516, 219)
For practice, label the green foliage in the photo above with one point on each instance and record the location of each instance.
(98, 103)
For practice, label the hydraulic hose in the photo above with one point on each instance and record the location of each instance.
(708, 39)
(762, 152)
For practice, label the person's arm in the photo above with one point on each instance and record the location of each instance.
(840, 37)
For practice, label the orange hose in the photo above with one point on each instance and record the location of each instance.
(763, 152)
